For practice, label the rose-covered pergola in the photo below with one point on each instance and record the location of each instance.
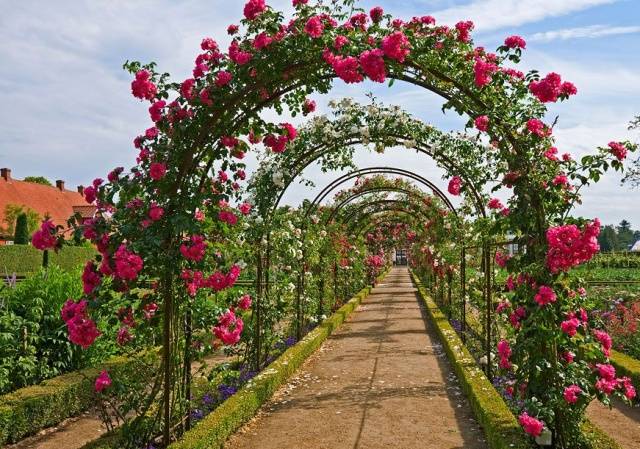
(165, 225)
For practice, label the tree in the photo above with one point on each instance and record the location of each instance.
(608, 239)
(11, 213)
(633, 174)
(38, 180)
(625, 235)
(22, 230)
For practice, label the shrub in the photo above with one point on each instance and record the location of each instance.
(25, 260)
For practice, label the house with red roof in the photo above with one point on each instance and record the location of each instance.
(57, 203)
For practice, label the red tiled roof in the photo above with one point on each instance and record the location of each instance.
(58, 204)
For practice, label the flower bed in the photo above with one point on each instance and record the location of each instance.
(493, 414)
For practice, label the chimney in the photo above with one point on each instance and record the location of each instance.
(60, 184)
(5, 173)
(81, 190)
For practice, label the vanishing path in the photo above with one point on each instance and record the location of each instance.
(381, 381)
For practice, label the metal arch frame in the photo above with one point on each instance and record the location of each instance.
(362, 193)
(351, 140)
(378, 170)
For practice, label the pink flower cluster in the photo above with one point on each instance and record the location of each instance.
(537, 127)
(91, 278)
(82, 330)
(396, 46)
(608, 383)
(195, 249)
(45, 238)
(605, 341)
(568, 246)
(571, 393)
(373, 65)
(195, 280)
(483, 71)
(481, 123)
(128, 264)
(157, 170)
(142, 87)
(515, 42)
(504, 351)
(454, 185)
(531, 425)
(545, 296)
(618, 150)
(103, 381)
(278, 144)
(244, 303)
(551, 87)
(229, 328)
(254, 8)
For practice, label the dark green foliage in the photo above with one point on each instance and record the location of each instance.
(33, 338)
(29, 410)
(21, 236)
(26, 260)
(38, 180)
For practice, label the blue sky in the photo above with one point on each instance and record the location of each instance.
(66, 111)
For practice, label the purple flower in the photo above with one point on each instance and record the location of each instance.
(226, 391)
(197, 414)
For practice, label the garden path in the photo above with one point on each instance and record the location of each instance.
(622, 422)
(382, 380)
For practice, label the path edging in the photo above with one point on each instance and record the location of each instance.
(498, 422)
(215, 428)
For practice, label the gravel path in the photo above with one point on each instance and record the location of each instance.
(381, 381)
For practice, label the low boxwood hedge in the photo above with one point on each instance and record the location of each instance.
(28, 410)
(498, 422)
(25, 259)
(626, 366)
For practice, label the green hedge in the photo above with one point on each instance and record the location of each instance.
(498, 422)
(25, 259)
(626, 366)
(28, 410)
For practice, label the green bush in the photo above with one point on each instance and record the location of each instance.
(25, 260)
(33, 338)
(28, 410)
(22, 232)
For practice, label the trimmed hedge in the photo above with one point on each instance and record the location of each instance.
(500, 426)
(626, 366)
(25, 259)
(498, 422)
(28, 410)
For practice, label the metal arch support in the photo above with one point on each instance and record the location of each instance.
(362, 193)
(318, 151)
(378, 170)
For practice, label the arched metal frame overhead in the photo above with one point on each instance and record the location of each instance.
(354, 196)
(378, 170)
(315, 153)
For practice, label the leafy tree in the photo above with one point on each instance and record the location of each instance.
(38, 180)
(625, 235)
(22, 230)
(608, 239)
(11, 213)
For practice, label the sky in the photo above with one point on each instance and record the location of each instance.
(66, 111)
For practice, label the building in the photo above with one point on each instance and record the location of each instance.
(635, 247)
(57, 203)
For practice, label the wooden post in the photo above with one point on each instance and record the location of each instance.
(463, 292)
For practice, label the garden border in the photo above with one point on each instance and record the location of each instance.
(498, 422)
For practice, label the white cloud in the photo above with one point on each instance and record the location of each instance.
(495, 14)
(591, 32)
